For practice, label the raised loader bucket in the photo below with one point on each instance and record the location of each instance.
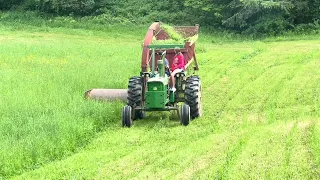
(157, 32)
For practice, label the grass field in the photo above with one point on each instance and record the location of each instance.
(260, 98)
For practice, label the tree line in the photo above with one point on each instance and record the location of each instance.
(243, 16)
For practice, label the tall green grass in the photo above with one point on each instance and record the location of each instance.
(43, 78)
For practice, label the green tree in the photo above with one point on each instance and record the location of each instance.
(63, 7)
(208, 12)
(8, 4)
(244, 13)
(305, 11)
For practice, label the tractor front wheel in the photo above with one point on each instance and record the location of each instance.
(135, 86)
(193, 96)
(185, 114)
(127, 116)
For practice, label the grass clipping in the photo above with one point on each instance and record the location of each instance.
(175, 37)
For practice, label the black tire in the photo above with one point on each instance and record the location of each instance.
(193, 96)
(134, 98)
(127, 116)
(139, 114)
(185, 114)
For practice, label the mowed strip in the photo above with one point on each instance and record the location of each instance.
(279, 152)
(132, 154)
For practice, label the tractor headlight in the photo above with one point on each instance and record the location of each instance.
(155, 88)
(177, 75)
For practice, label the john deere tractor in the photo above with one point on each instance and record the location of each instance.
(150, 90)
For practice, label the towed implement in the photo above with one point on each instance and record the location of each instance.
(149, 91)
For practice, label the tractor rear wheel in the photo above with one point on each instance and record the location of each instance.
(185, 114)
(127, 116)
(135, 86)
(193, 96)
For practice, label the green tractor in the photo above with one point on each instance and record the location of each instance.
(150, 91)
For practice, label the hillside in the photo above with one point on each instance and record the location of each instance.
(260, 99)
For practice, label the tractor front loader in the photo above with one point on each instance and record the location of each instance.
(149, 91)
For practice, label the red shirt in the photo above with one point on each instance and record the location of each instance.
(178, 62)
